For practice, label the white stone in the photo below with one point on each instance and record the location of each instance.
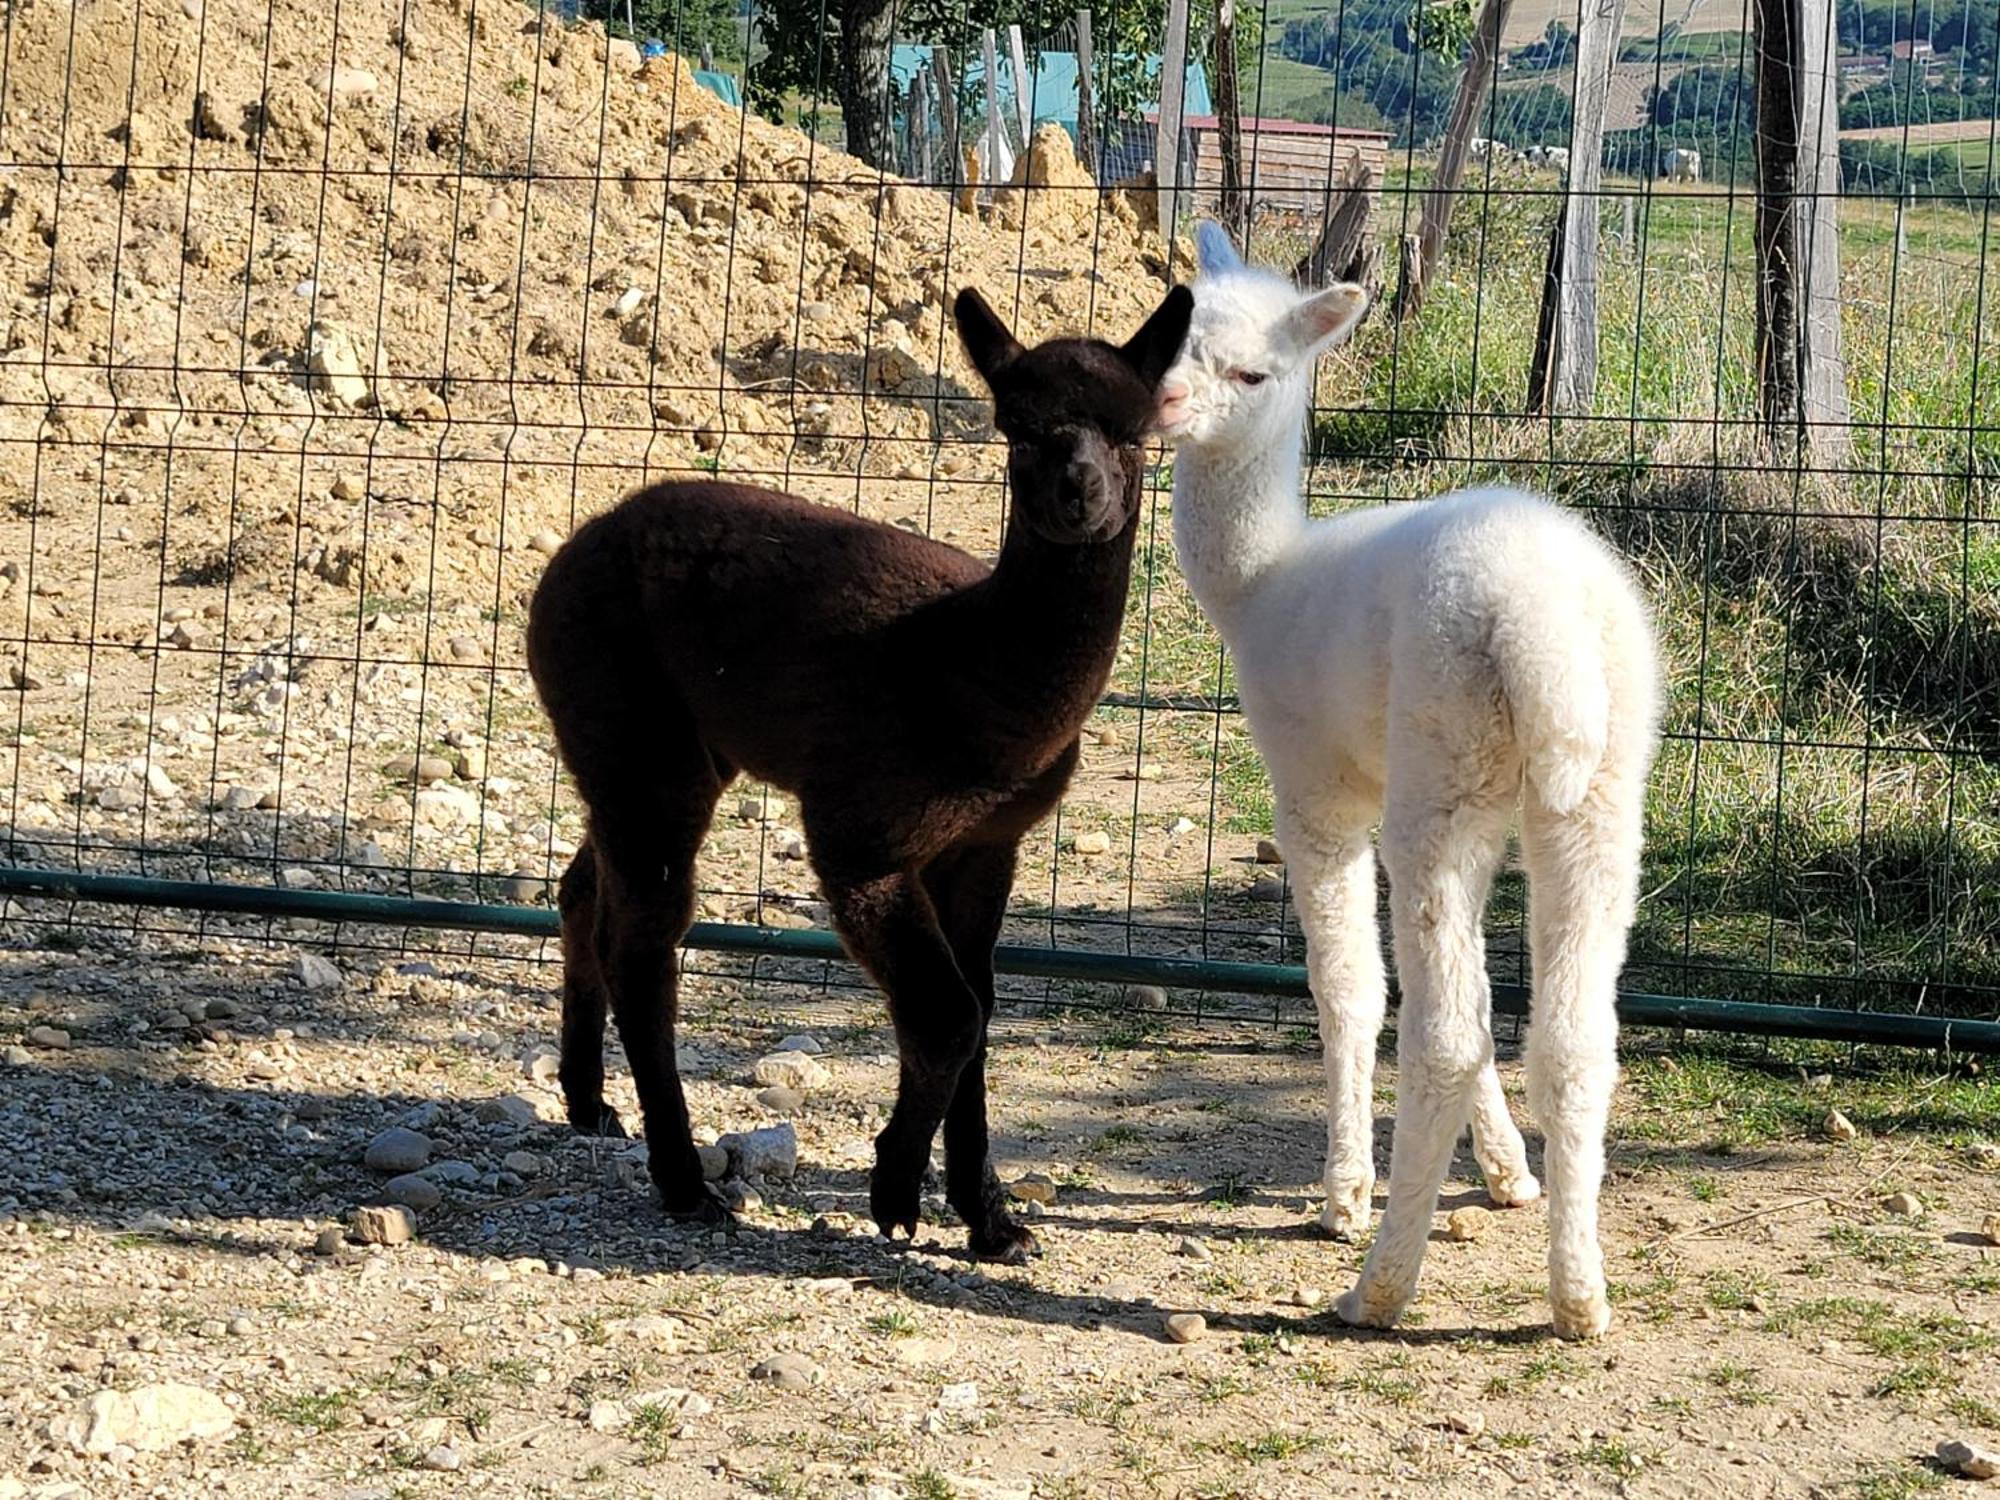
(792, 1070)
(147, 1420)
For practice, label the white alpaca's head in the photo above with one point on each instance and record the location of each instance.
(1244, 375)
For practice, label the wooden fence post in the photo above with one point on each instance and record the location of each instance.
(1167, 138)
(1801, 378)
(947, 91)
(1563, 375)
(1086, 134)
(1481, 62)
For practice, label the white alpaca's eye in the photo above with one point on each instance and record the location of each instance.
(1251, 377)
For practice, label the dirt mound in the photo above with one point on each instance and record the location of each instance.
(488, 261)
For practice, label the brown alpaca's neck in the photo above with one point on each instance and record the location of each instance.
(1050, 617)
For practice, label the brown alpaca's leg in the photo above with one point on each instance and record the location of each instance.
(583, 1003)
(891, 929)
(969, 888)
(645, 848)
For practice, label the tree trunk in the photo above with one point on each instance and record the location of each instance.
(1086, 132)
(1234, 208)
(866, 30)
(1481, 62)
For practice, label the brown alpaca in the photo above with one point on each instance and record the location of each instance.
(922, 707)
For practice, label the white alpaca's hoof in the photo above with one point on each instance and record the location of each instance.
(1513, 1191)
(1361, 1309)
(1581, 1317)
(1344, 1222)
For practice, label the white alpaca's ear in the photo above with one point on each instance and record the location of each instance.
(1214, 252)
(1325, 319)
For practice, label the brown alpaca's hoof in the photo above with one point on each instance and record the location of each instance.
(1007, 1243)
(706, 1206)
(602, 1121)
(895, 1206)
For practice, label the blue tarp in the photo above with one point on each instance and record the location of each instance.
(722, 85)
(1054, 82)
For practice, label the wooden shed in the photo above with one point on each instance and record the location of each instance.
(1290, 165)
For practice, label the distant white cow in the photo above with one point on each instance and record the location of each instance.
(1482, 149)
(1681, 165)
(1556, 158)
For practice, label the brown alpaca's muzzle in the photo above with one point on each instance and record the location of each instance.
(1072, 493)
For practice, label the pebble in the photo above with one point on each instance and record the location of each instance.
(781, 1100)
(329, 1242)
(1904, 1205)
(397, 1150)
(770, 1152)
(1968, 1458)
(1305, 1296)
(797, 1071)
(1185, 1328)
(1989, 1227)
(239, 1327)
(1194, 1247)
(1095, 842)
(607, 1416)
(49, 1038)
(316, 973)
(714, 1162)
(788, 1372)
(384, 1224)
(1267, 888)
(443, 1458)
(147, 1420)
(800, 1043)
(541, 1064)
(1468, 1423)
(1464, 1225)
(522, 1163)
(1837, 1127)
(545, 542)
(1035, 1187)
(1267, 852)
(16, 1056)
(413, 1191)
(509, 1109)
(349, 487)
(1145, 997)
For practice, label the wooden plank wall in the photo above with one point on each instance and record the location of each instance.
(1287, 172)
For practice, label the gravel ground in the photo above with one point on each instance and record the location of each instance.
(184, 1132)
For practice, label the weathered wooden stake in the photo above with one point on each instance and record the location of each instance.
(1024, 86)
(920, 127)
(995, 135)
(1563, 376)
(1234, 207)
(1344, 249)
(1801, 378)
(1481, 61)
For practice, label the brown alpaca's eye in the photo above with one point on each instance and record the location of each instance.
(1251, 377)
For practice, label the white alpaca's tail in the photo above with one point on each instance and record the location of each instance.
(1551, 659)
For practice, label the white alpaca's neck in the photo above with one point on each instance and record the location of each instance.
(1237, 511)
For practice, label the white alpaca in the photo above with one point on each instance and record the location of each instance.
(1431, 665)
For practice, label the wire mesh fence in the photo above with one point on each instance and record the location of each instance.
(327, 324)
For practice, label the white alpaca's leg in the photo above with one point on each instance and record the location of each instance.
(1440, 842)
(1332, 870)
(1497, 1145)
(1582, 887)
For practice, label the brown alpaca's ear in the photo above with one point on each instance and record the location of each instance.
(987, 342)
(1152, 350)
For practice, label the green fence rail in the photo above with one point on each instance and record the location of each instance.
(1741, 1017)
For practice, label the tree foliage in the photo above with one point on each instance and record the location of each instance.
(685, 26)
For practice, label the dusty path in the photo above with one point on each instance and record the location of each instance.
(167, 1187)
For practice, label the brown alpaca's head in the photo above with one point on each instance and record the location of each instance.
(1075, 413)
